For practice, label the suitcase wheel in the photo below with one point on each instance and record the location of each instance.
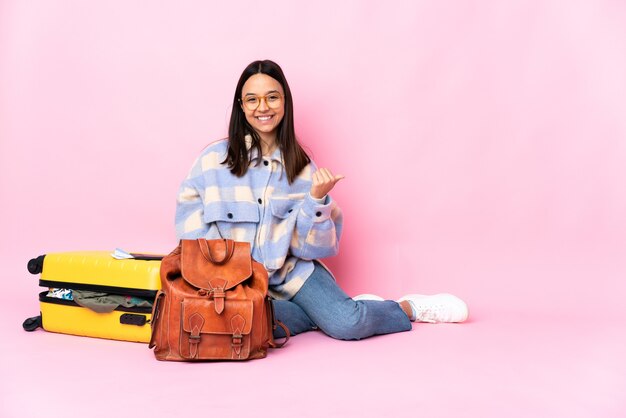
(35, 265)
(32, 324)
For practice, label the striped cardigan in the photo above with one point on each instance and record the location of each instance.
(284, 225)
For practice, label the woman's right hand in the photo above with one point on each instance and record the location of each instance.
(323, 182)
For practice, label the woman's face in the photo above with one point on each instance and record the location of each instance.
(263, 103)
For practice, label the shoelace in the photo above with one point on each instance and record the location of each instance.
(431, 314)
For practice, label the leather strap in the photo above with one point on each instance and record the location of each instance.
(206, 251)
(237, 324)
(218, 293)
(274, 344)
(195, 322)
(218, 297)
(156, 314)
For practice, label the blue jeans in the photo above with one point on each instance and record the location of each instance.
(321, 303)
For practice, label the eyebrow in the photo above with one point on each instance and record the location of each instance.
(266, 93)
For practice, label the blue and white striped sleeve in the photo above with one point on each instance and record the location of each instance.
(190, 205)
(318, 228)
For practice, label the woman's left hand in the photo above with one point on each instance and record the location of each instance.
(323, 182)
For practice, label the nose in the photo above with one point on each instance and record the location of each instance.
(263, 104)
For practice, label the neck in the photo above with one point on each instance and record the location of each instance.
(268, 145)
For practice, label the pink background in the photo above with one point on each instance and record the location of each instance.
(484, 148)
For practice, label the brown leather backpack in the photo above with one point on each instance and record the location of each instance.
(213, 304)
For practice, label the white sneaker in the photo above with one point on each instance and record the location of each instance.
(442, 307)
(367, 296)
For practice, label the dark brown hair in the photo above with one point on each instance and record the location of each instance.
(238, 158)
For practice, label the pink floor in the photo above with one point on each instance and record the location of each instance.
(501, 363)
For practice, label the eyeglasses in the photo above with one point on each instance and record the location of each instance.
(272, 100)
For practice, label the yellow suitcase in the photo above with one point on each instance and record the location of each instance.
(96, 271)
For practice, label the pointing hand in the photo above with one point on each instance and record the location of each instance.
(323, 182)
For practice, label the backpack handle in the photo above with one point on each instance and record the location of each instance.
(206, 251)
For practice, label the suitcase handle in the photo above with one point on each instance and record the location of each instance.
(147, 257)
(133, 319)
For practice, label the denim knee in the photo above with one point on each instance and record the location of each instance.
(348, 327)
(343, 333)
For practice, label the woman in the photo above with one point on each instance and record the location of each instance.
(260, 186)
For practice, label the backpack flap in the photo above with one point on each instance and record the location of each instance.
(208, 334)
(207, 264)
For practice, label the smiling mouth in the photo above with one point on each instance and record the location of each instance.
(264, 118)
